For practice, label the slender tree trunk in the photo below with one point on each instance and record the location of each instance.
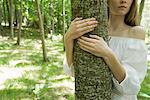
(25, 19)
(63, 19)
(20, 24)
(141, 9)
(42, 10)
(52, 19)
(1, 16)
(41, 31)
(59, 24)
(93, 78)
(16, 14)
(63, 16)
(4, 10)
(8, 10)
(11, 19)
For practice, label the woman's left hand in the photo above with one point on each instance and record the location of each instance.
(94, 45)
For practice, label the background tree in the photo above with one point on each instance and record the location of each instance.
(41, 31)
(20, 24)
(11, 18)
(141, 9)
(1, 16)
(51, 29)
(63, 16)
(93, 79)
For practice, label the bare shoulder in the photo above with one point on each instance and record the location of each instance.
(138, 32)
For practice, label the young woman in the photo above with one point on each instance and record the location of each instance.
(126, 54)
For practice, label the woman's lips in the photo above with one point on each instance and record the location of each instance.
(122, 7)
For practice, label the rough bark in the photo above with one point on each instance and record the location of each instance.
(93, 78)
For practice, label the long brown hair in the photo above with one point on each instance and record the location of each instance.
(132, 17)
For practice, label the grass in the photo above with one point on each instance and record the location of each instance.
(30, 78)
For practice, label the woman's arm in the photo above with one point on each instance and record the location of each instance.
(115, 66)
(68, 42)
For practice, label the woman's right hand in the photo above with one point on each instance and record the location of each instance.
(78, 27)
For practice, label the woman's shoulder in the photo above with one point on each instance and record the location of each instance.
(137, 32)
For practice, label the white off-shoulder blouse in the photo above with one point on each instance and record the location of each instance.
(132, 53)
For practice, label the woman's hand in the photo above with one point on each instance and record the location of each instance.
(94, 45)
(78, 27)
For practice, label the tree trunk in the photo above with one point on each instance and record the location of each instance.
(11, 19)
(8, 10)
(4, 10)
(63, 19)
(52, 19)
(141, 9)
(16, 14)
(1, 17)
(63, 16)
(41, 31)
(93, 78)
(20, 24)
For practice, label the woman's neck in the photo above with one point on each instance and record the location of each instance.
(116, 23)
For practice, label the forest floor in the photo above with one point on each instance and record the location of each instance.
(24, 75)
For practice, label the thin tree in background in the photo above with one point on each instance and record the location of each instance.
(11, 19)
(16, 13)
(41, 31)
(20, 24)
(1, 16)
(4, 12)
(8, 11)
(63, 16)
(93, 78)
(141, 9)
(52, 19)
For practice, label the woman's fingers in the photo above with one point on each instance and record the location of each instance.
(87, 24)
(77, 19)
(85, 44)
(81, 26)
(95, 36)
(81, 30)
(85, 20)
(86, 31)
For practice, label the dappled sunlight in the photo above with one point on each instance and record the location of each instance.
(63, 82)
(7, 73)
(65, 86)
(15, 62)
(23, 69)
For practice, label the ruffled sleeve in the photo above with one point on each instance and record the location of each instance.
(134, 61)
(69, 70)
